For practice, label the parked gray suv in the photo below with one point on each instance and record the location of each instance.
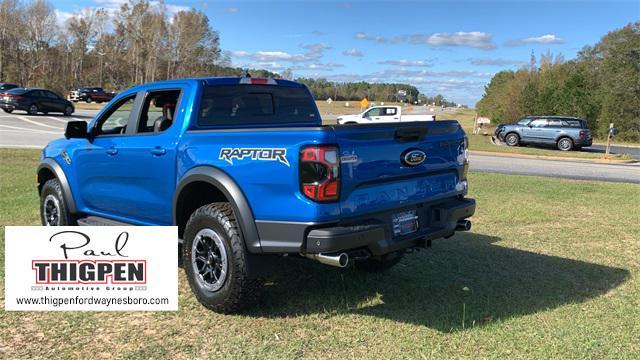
(564, 132)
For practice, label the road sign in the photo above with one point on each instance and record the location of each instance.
(364, 103)
(329, 101)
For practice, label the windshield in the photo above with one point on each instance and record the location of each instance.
(524, 121)
(16, 91)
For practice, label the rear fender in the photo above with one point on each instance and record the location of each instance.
(223, 182)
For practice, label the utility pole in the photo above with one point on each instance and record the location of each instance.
(101, 61)
(609, 139)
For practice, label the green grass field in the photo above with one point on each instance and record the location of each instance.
(551, 268)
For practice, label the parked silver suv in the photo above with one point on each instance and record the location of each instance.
(564, 132)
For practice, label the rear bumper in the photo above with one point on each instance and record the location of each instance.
(583, 142)
(373, 232)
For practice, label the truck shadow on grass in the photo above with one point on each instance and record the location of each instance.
(428, 288)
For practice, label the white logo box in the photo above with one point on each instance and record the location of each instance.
(91, 268)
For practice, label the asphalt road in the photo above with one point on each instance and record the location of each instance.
(25, 131)
(629, 173)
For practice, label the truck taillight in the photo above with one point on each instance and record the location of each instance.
(320, 173)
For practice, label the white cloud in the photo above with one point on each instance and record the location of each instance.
(474, 39)
(408, 63)
(352, 52)
(62, 17)
(495, 62)
(318, 66)
(401, 73)
(376, 38)
(232, 10)
(112, 5)
(314, 53)
(263, 65)
(543, 39)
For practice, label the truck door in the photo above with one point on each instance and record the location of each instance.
(389, 114)
(128, 171)
(535, 130)
(150, 155)
(102, 173)
(373, 114)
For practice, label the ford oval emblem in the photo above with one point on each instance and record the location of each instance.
(414, 157)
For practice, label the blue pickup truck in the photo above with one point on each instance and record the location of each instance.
(246, 170)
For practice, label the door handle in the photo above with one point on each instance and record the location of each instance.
(158, 151)
(112, 151)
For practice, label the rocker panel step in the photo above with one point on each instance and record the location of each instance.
(100, 221)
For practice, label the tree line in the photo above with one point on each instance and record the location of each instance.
(602, 85)
(324, 89)
(137, 43)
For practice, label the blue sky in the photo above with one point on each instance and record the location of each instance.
(452, 48)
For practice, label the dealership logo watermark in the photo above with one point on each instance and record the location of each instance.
(91, 268)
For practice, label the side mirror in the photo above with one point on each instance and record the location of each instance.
(76, 130)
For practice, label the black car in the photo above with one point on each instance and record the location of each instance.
(6, 86)
(35, 101)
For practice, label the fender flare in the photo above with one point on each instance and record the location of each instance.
(223, 182)
(56, 169)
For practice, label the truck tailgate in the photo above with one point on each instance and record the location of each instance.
(376, 176)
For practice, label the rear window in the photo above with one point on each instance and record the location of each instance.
(256, 105)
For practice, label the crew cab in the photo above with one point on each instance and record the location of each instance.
(247, 172)
(90, 94)
(383, 114)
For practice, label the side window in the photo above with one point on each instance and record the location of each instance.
(573, 124)
(37, 93)
(116, 119)
(538, 123)
(158, 111)
(373, 112)
(390, 111)
(554, 123)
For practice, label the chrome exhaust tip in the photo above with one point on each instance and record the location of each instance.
(341, 260)
(463, 225)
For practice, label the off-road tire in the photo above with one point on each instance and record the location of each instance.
(512, 139)
(238, 290)
(52, 191)
(378, 264)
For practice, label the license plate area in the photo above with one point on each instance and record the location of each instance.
(404, 223)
